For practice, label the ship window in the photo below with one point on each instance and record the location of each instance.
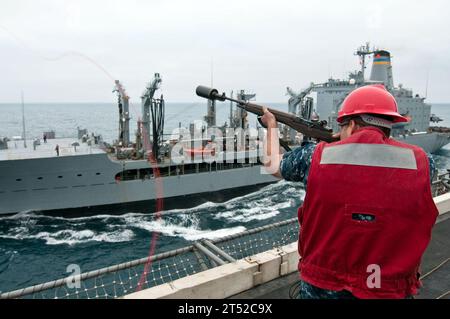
(19, 180)
(97, 173)
(39, 178)
(60, 176)
(126, 175)
(79, 175)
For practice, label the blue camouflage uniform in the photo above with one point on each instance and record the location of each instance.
(294, 167)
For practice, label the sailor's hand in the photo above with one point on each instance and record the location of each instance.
(337, 135)
(268, 119)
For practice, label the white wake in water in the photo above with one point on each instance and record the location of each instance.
(70, 236)
(188, 228)
(190, 224)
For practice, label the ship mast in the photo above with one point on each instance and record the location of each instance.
(210, 117)
(23, 123)
(362, 52)
(240, 117)
(231, 109)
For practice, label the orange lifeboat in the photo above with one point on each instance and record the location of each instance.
(201, 151)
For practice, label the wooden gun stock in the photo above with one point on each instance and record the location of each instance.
(307, 128)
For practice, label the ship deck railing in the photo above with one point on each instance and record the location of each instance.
(125, 278)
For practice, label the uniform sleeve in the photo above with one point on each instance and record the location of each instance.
(295, 164)
(432, 165)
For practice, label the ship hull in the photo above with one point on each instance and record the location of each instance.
(171, 205)
(429, 142)
(77, 182)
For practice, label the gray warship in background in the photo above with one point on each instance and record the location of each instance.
(326, 99)
(90, 175)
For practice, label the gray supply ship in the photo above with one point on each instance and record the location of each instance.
(326, 98)
(88, 175)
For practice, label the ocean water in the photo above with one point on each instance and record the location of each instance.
(100, 118)
(35, 248)
(442, 157)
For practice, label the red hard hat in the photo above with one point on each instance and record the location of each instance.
(370, 99)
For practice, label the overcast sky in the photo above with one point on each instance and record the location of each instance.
(264, 46)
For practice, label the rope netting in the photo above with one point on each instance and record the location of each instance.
(441, 184)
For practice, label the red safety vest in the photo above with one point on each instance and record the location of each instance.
(385, 180)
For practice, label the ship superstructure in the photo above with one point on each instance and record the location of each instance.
(330, 95)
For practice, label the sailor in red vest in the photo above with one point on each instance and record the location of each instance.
(368, 212)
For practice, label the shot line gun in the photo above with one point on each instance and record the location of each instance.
(312, 129)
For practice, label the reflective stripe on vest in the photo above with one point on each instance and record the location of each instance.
(379, 155)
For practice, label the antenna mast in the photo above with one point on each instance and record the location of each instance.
(210, 117)
(23, 123)
(212, 71)
(362, 52)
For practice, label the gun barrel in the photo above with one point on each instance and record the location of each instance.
(209, 93)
